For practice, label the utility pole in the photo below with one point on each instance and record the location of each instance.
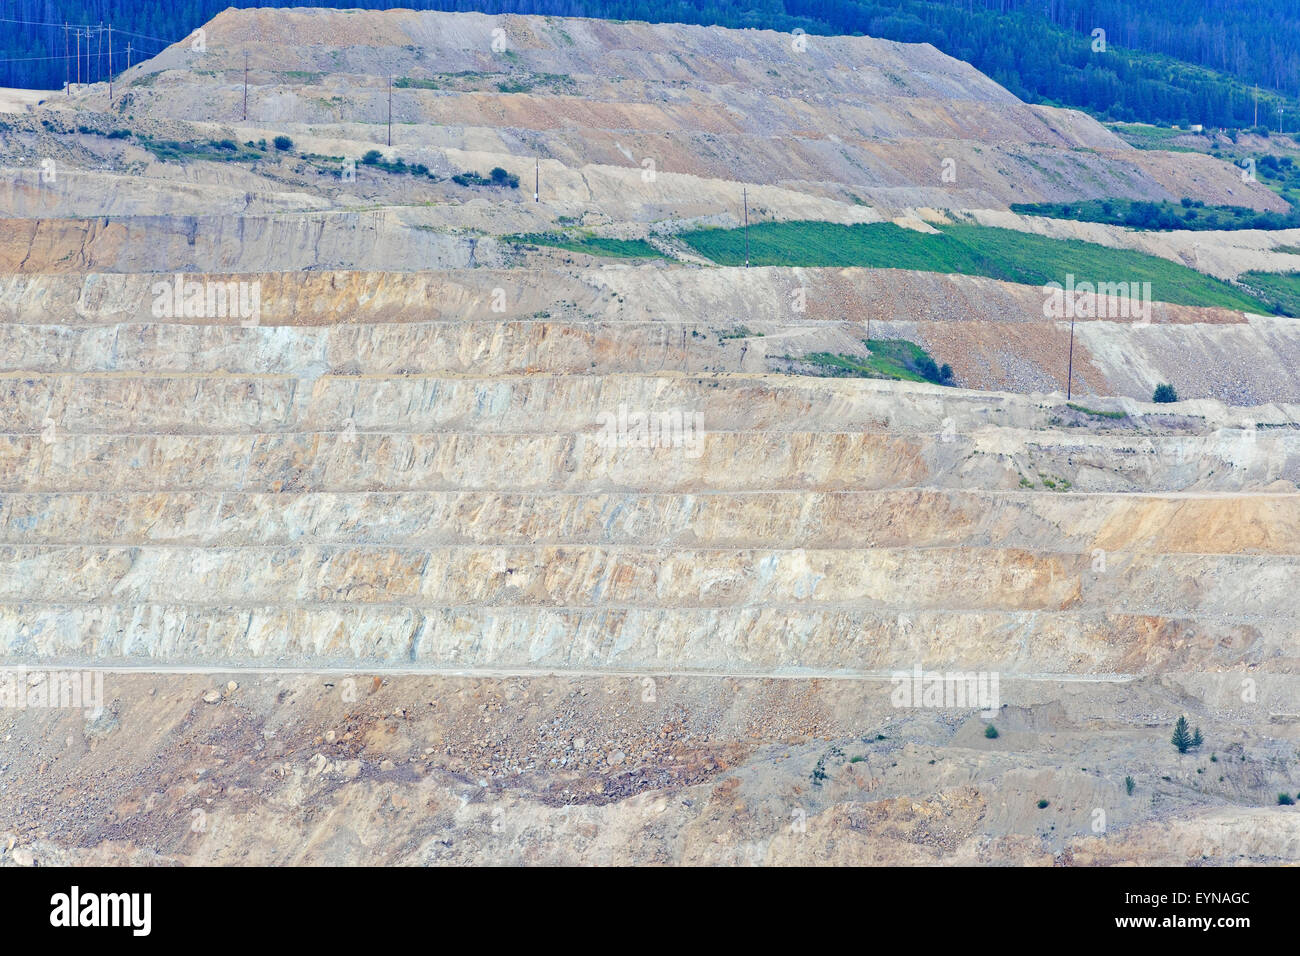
(537, 179)
(390, 109)
(78, 56)
(128, 54)
(1069, 375)
(245, 87)
(67, 61)
(744, 192)
(110, 66)
(99, 50)
(1256, 104)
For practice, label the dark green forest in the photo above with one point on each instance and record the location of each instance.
(1165, 61)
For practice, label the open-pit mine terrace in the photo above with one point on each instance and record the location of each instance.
(369, 582)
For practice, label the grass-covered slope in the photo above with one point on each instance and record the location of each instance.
(968, 250)
(591, 245)
(1282, 289)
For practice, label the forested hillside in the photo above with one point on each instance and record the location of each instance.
(1164, 61)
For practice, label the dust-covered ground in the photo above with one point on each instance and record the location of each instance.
(246, 768)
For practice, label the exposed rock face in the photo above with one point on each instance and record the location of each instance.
(645, 319)
(427, 548)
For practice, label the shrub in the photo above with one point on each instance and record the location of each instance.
(372, 156)
(1042, 804)
(1164, 394)
(1129, 785)
(1285, 800)
(991, 732)
(282, 143)
(502, 178)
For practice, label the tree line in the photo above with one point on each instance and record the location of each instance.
(1164, 61)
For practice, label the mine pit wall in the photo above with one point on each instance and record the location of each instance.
(384, 472)
(231, 244)
(636, 574)
(633, 319)
(1135, 524)
(781, 641)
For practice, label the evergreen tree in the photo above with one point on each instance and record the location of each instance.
(1182, 738)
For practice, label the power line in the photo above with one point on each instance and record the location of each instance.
(50, 23)
(93, 26)
(34, 59)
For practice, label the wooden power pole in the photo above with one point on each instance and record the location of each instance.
(744, 195)
(390, 109)
(1069, 374)
(110, 66)
(67, 61)
(245, 86)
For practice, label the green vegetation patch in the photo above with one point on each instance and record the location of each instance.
(1147, 136)
(1096, 414)
(224, 150)
(896, 359)
(514, 81)
(591, 245)
(497, 177)
(1280, 289)
(374, 159)
(414, 83)
(1189, 214)
(966, 250)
